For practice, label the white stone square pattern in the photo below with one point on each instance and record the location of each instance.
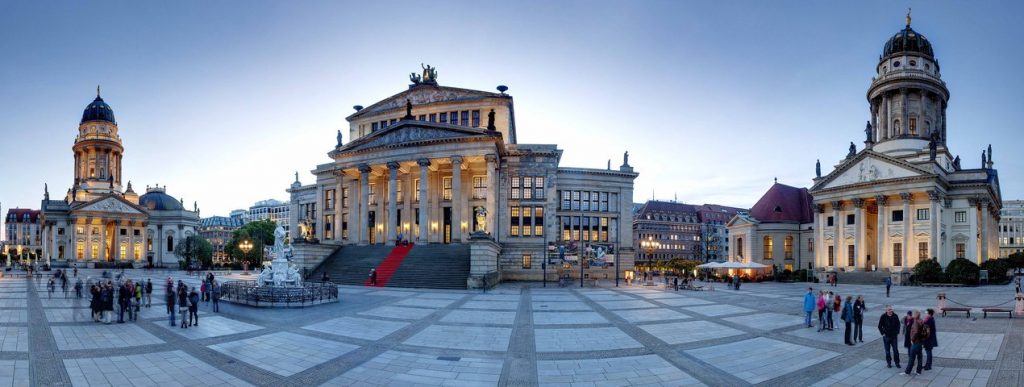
(283, 353)
(399, 312)
(496, 297)
(209, 327)
(348, 290)
(13, 302)
(608, 297)
(468, 316)
(767, 321)
(614, 371)
(554, 297)
(627, 304)
(560, 306)
(102, 336)
(13, 339)
(360, 328)
(394, 368)
(424, 302)
(837, 336)
(149, 369)
(647, 315)
(498, 305)
(15, 316)
(69, 315)
(14, 373)
(391, 293)
(719, 310)
(568, 318)
(760, 359)
(971, 346)
(659, 296)
(442, 296)
(582, 339)
(683, 301)
(463, 337)
(872, 372)
(689, 331)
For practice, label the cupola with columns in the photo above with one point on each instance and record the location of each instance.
(98, 150)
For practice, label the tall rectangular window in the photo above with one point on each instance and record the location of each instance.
(416, 191)
(897, 254)
(373, 127)
(527, 221)
(446, 188)
(585, 201)
(851, 219)
(433, 117)
(398, 192)
(575, 200)
(455, 117)
(897, 215)
(95, 252)
(961, 217)
(961, 250)
(344, 197)
(922, 214)
(479, 187)
(515, 187)
(443, 117)
(850, 255)
(527, 261)
(538, 221)
(831, 255)
(831, 221)
(604, 202)
(767, 253)
(604, 229)
(80, 251)
(328, 199)
(566, 200)
(123, 251)
(373, 193)
(922, 251)
(328, 227)
(137, 251)
(810, 245)
(423, 117)
(538, 187)
(476, 118)
(527, 187)
(514, 221)
(788, 247)
(465, 117)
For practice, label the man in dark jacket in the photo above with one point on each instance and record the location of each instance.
(889, 327)
(193, 307)
(931, 341)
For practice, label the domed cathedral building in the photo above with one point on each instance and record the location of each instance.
(441, 167)
(904, 197)
(99, 223)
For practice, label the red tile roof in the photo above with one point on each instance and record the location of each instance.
(18, 215)
(784, 204)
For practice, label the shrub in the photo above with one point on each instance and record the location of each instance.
(1016, 260)
(962, 271)
(929, 271)
(996, 270)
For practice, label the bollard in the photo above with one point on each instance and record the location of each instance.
(942, 301)
(1020, 304)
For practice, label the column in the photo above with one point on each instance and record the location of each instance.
(887, 119)
(861, 229)
(836, 232)
(339, 211)
(392, 201)
(364, 203)
(45, 243)
(457, 204)
(881, 234)
(972, 224)
(933, 235)
(102, 256)
(424, 163)
(984, 231)
(318, 220)
(907, 230)
(820, 253)
(492, 194)
(905, 120)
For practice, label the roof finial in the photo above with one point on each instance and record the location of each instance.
(97, 91)
(908, 17)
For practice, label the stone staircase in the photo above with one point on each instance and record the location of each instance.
(435, 266)
(863, 277)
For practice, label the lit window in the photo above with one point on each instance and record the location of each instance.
(768, 247)
(527, 260)
(479, 187)
(922, 214)
(446, 188)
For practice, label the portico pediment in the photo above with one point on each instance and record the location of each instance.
(422, 95)
(406, 133)
(109, 204)
(868, 167)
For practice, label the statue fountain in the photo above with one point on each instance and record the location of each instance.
(280, 273)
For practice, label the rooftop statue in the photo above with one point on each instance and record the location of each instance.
(429, 74)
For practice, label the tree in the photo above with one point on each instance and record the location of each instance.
(928, 271)
(962, 271)
(997, 269)
(682, 266)
(195, 248)
(1016, 260)
(259, 233)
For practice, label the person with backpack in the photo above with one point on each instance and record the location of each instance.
(932, 341)
(918, 335)
(138, 301)
(847, 317)
(821, 304)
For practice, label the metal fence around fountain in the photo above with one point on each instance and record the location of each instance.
(310, 293)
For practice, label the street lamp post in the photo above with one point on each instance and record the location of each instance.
(649, 245)
(246, 246)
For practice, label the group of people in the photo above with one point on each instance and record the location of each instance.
(918, 336)
(187, 299)
(828, 305)
(130, 297)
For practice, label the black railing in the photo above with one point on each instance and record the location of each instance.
(310, 293)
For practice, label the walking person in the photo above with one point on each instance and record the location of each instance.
(809, 303)
(50, 286)
(889, 327)
(193, 307)
(932, 341)
(918, 335)
(149, 293)
(847, 317)
(888, 285)
(215, 295)
(78, 288)
(373, 277)
(858, 319)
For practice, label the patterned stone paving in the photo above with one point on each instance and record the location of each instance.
(518, 334)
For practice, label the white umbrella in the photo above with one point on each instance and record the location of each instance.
(709, 265)
(755, 265)
(732, 265)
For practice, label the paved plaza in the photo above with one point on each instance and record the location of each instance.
(517, 334)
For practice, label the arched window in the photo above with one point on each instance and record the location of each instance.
(767, 247)
(739, 247)
(913, 126)
(896, 129)
(789, 247)
(170, 243)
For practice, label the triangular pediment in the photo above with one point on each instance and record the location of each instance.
(406, 133)
(740, 220)
(423, 94)
(868, 167)
(110, 204)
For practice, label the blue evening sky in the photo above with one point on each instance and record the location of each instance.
(223, 100)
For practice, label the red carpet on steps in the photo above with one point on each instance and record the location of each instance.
(391, 263)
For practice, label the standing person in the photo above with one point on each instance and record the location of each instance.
(918, 335)
(170, 306)
(837, 306)
(373, 277)
(889, 327)
(64, 284)
(122, 302)
(183, 305)
(149, 292)
(76, 271)
(203, 290)
(888, 285)
(215, 295)
(50, 286)
(138, 301)
(932, 341)
(94, 302)
(78, 288)
(847, 317)
(835, 279)
(808, 306)
(908, 321)
(169, 295)
(108, 302)
(828, 310)
(858, 319)
(821, 311)
(193, 307)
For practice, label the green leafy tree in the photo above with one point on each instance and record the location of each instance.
(259, 233)
(1016, 260)
(195, 249)
(962, 271)
(929, 271)
(997, 269)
